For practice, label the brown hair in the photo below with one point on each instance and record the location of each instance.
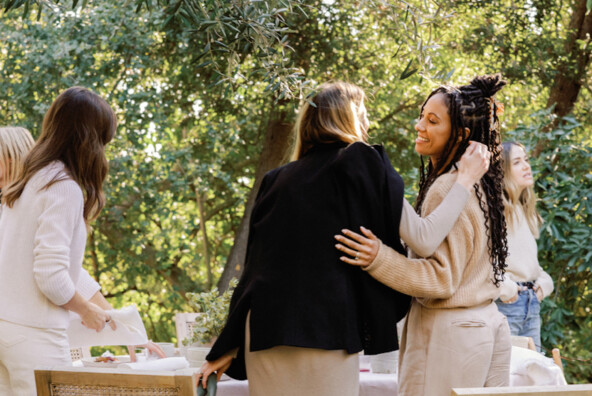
(514, 196)
(15, 143)
(333, 118)
(75, 130)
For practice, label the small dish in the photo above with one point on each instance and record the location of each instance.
(91, 362)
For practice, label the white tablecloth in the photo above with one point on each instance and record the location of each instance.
(370, 385)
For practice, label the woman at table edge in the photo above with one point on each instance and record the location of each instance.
(43, 227)
(348, 153)
(15, 144)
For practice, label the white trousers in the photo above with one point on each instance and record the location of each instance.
(22, 348)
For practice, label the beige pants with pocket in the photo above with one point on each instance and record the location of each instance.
(443, 349)
(293, 371)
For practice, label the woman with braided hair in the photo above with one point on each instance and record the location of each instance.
(454, 335)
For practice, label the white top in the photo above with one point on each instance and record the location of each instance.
(523, 264)
(42, 241)
(424, 235)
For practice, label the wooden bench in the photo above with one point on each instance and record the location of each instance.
(565, 390)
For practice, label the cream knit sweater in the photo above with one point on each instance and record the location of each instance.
(523, 264)
(458, 274)
(42, 241)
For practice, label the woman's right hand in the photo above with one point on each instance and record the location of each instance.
(473, 164)
(511, 300)
(93, 316)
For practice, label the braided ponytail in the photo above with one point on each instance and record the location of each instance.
(473, 106)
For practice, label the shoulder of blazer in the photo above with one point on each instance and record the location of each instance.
(358, 155)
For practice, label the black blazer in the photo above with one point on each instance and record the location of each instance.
(298, 291)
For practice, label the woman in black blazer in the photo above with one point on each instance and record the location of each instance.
(298, 317)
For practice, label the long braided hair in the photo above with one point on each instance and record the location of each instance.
(472, 106)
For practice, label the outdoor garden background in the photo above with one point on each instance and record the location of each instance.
(206, 94)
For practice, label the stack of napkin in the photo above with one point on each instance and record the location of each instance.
(130, 330)
(166, 364)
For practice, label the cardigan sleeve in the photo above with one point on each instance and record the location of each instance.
(424, 235)
(508, 287)
(438, 276)
(62, 205)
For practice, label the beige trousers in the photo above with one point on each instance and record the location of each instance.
(292, 371)
(443, 349)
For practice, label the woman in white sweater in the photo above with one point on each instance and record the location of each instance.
(526, 284)
(46, 212)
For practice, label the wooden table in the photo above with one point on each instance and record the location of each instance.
(370, 385)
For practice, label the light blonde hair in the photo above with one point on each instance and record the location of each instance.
(15, 144)
(333, 118)
(514, 196)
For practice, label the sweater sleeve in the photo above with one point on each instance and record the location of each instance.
(424, 235)
(437, 276)
(61, 211)
(508, 287)
(86, 285)
(545, 281)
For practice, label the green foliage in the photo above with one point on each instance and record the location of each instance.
(563, 173)
(190, 134)
(213, 307)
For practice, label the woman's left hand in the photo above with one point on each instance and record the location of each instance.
(363, 248)
(539, 294)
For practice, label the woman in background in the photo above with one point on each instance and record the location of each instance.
(15, 143)
(46, 212)
(526, 284)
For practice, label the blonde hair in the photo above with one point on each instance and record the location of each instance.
(333, 118)
(15, 144)
(514, 196)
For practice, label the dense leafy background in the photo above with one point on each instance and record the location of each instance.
(206, 94)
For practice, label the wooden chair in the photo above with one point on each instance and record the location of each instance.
(79, 353)
(523, 342)
(557, 358)
(184, 323)
(564, 390)
(87, 381)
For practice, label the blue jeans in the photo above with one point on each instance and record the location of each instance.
(524, 316)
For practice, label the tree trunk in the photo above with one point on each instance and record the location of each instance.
(204, 236)
(275, 152)
(572, 71)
